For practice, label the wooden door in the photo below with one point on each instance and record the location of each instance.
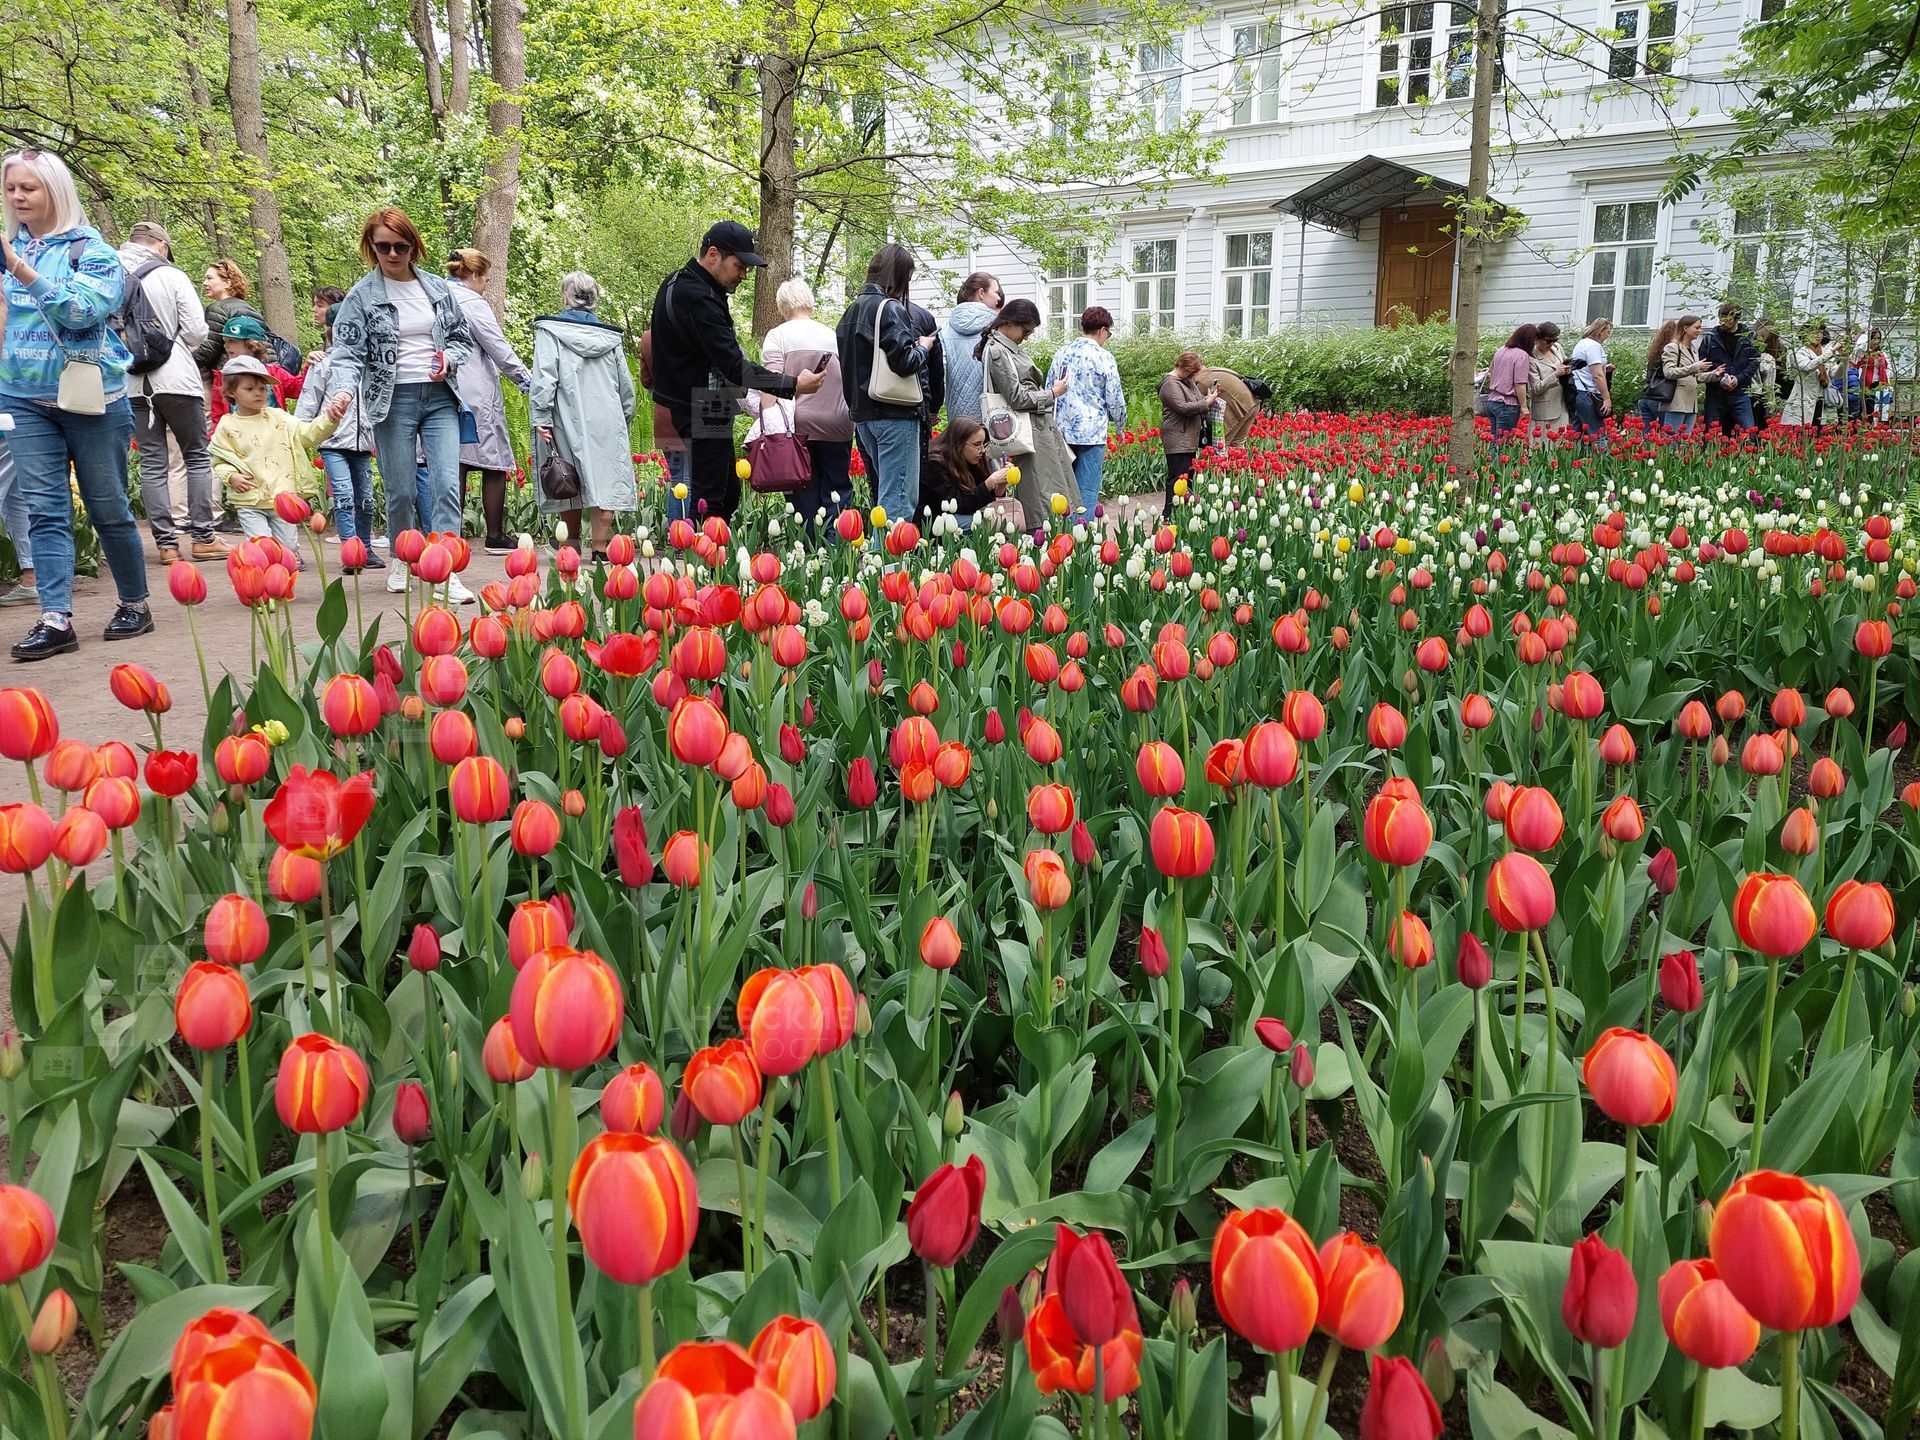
(1416, 264)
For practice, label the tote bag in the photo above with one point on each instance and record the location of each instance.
(778, 461)
(884, 383)
(1009, 429)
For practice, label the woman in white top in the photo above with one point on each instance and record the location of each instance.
(1592, 384)
(800, 342)
(1812, 365)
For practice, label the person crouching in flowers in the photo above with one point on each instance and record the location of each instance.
(959, 471)
(261, 452)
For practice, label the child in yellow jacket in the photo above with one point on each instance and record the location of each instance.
(261, 452)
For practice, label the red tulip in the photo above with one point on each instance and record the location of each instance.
(412, 1116)
(1271, 757)
(1472, 963)
(322, 1086)
(944, 1218)
(1160, 770)
(634, 1201)
(1680, 982)
(211, 1008)
(27, 1232)
(477, 790)
(1266, 1279)
(566, 1009)
(242, 759)
(723, 1082)
(1519, 893)
(535, 830)
(316, 814)
(779, 1014)
(1397, 829)
(26, 838)
(1398, 1405)
(939, 944)
(1630, 1077)
(1181, 842)
(711, 1389)
(294, 879)
(1360, 1293)
(1860, 914)
(1772, 915)
(862, 788)
(501, 1058)
(635, 1100)
(349, 707)
(28, 728)
(1532, 819)
(1598, 1302)
(171, 773)
(795, 1357)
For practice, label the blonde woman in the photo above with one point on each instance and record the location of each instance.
(1680, 362)
(1593, 382)
(800, 343)
(478, 383)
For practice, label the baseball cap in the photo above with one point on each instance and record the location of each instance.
(151, 230)
(243, 327)
(244, 365)
(730, 237)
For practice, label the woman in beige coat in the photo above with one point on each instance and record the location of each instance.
(1012, 375)
(1680, 362)
(1546, 400)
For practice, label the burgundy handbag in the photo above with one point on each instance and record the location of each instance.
(779, 461)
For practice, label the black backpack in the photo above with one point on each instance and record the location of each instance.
(148, 341)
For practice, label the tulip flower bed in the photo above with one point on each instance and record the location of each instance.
(1374, 954)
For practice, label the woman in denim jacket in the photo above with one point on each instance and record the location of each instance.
(398, 341)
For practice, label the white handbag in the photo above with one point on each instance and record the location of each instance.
(884, 383)
(1009, 429)
(83, 389)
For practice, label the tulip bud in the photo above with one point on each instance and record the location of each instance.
(809, 902)
(1010, 1318)
(1083, 851)
(533, 1178)
(954, 1121)
(1183, 1312)
(1300, 1066)
(423, 951)
(55, 1324)
(1732, 977)
(686, 1119)
(1907, 1002)
(862, 1017)
(13, 1057)
(1436, 1368)
(412, 1118)
(1153, 952)
(1664, 871)
(1472, 963)
(1680, 982)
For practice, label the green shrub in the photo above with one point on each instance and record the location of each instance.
(1330, 368)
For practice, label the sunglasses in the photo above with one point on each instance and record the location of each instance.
(392, 247)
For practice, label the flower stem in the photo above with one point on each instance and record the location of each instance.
(1766, 1067)
(1697, 1428)
(1790, 1385)
(930, 1341)
(746, 1210)
(323, 1207)
(209, 1172)
(646, 1332)
(1327, 1365)
(46, 1381)
(763, 1163)
(560, 1165)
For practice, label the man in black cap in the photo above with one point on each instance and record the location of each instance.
(700, 374)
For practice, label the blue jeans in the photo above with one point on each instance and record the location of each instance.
(1505, 418)
(1730, 410)
(45, 442)
(13, 509)
(830, 490)
(424, 421)
(892, 450)
(1680, 420)
(1587, 417)
(1089, 464)
(350, 476)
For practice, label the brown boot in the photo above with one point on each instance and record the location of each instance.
(215, 549)
(169, 554)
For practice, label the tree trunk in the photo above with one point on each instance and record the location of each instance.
(458, 65)
(420, 22)
(202, 120)
(250, 132)
(779, 168)
(1473, 220)
(493, 221)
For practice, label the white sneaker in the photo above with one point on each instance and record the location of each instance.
(458, 593)
(397, 579)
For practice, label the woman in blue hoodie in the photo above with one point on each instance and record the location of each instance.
(63, 285)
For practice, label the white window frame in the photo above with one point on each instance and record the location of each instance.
(1250, 226)
(1643, 12)
(1265, 70)
(1134, 278)
(1437, 40)
(1063, 287)
(1583, 278)
(1163, 88)
(1073, 82)
(1799, 287)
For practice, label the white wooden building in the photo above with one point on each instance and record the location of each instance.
(1344, 131)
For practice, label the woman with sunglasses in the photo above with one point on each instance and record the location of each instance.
(399, 339)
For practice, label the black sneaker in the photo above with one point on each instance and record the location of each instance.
(45, 640)
(499, 545)
(127, 622)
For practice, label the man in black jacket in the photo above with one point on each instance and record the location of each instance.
(700, 374)
(1728, 403)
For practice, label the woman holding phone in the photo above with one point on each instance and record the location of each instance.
(1183, 409)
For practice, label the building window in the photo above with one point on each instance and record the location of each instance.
(1426, 53)
(1246, 307)
(1072, 93)
(1621, 284)
(1770, 252)
(1161, 74)
(1645, 38)
(1155, 278)
(1067, 293)
(1254, 85)
(1770, 9)
(1893, 280)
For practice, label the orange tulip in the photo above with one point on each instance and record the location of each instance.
(681, 858)
(696, 731)
(1860, 914)
(1630, 1077)
(1772, 915)
(28, 728)
(1519, 893)
(1398, 829)
(26, 838)
(1050, 808)
(723, 1082)
(1266, 1279)
(711, 1390)
(635, 1100)
(212, 1008)
(322, 1086)
(1386, 727)
(1223, 763)
(1181, 841)
(1622, 821)
(1360, 1293)
(634, 1202)
(535, 830)
(1271, 756)
(940, 944)
(1062, 1362)
(27, 1232)
(795, 1357)
(1702, 1317)
(534, 926)
(477, 790)
(1532, 819)
(1785, 1249)
(1160, 770)
(1410, 942)
(566, 1009)
(1047, 883)
(1800, 835)
(349, 706)
(839, 1006)
(248, 1386)
(501, 1058)
(779, 1013)
(72, 766)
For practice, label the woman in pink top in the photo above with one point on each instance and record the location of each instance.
(1507, 380)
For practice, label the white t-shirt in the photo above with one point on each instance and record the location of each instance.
(1595, 354)
(413, 309)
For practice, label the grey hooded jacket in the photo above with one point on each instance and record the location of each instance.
(958, 336)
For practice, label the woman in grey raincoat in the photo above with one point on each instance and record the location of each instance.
(491, 453)
(583, 400)
(1012, 375)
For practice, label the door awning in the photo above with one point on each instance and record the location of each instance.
(1340, 201)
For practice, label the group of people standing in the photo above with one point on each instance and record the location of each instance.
(1726, 377)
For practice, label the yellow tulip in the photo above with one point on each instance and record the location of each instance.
(1180, 486)
(1058, 504)
(680, 491)
(1446, 527)
(1343, 545)
(743, 469)
(1356, 492)
(1013, 474)
(877, 517)
(1403, 546)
